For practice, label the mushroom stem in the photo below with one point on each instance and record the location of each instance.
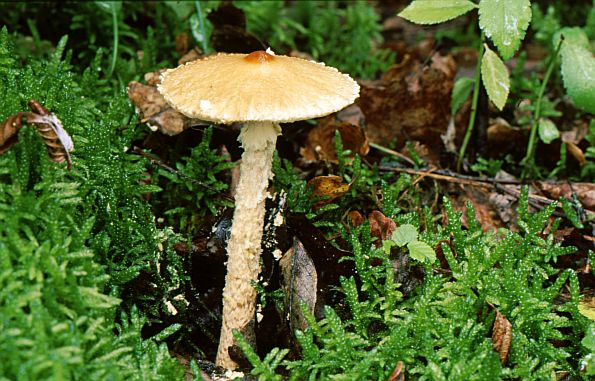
(244, 247)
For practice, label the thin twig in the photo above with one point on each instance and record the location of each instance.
(391, 152)
(449, 176)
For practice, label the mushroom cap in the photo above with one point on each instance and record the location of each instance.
(253, 87)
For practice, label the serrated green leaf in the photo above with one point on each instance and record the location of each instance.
(505, 23)
(460, 92)
(589, 340)
(435, 11)
(572, 36)
(578, 68)
(404, 234)
(548, 132)
(495, 78)
(421, 251)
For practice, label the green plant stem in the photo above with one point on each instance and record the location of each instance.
(201, 24)
(528, 161)
(473, 107)
(116, 39)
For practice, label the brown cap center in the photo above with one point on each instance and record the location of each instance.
(259, 56)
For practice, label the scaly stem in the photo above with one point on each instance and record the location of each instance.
(529, 162)
(244, 247)
(473, 107)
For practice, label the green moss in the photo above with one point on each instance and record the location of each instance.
(68, 239)
(443, 330)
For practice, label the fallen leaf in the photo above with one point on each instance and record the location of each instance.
(487, 206)
(577, 153)
(154, 110)
(48, 126)
(585, 192)
(8, 130)
(587, 307)
(320, 142)
(299, 282)
(328, 188)
(501, 336)
(192, 55)
(355, 218)
(326, 256)
(410, 102)
(504, 138)
(381, 226)
(397, 374)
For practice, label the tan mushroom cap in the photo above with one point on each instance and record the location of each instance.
(255, 87)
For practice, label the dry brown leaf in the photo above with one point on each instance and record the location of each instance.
(585, 192)
(329, 187)
(504, 138)
(486, 212)
(355, 217)
(153, 108)
(300, 282)
(577, 153)
(398, 374)
(8, 130)
(411, 102)
(48, 126)
(501, 336)
(381, 226)
(320, 143)
(192, 55)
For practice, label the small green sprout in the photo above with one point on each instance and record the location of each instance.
(406, 235)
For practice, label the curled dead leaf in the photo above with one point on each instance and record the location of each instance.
(381, 226)
(48, 126)
(501, 336)
(577, 153)
(355, 218)
(9, 129)
(398, 374)
(327, 187)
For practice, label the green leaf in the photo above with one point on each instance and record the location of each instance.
(505, 23)
(435, 11)
(589, 340)
(495, 78)
(460, 92)
(404, 234)
(578, 68)
(548, 132)
(421, 251)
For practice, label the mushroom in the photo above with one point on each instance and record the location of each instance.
(260, 90)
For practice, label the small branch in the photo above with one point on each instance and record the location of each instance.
(391, 152)
(450, 177)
